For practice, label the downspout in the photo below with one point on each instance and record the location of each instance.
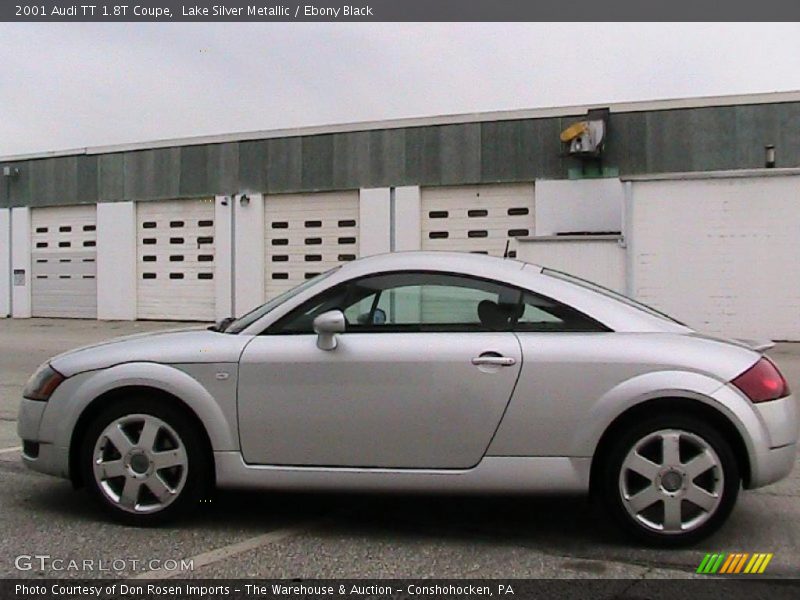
(234, 199)
(392, 243)
(627, 236)
(10, 250)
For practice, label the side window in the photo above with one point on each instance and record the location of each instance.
(411, 302)
(431, 302)
(543, 314)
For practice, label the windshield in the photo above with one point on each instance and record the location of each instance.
(254, 315)
(610, 293)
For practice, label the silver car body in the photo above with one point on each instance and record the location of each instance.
(409, 411)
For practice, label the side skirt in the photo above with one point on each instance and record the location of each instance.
(494, 474)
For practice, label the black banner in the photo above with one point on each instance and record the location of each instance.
(710, 588)
(399, 10)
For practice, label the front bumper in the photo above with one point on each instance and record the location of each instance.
(50, 458)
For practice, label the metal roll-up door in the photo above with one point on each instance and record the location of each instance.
(477, 218)
(63, 257)
(175, 260)
(307, 234)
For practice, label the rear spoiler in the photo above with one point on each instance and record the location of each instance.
(757, 345)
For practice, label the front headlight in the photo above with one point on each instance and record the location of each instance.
(42, 383)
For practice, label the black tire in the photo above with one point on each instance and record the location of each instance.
(195, 482)
(612, 492)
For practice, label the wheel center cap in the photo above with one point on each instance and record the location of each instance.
(139, 463)
(672, 481)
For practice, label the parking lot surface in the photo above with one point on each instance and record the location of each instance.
(307, 536)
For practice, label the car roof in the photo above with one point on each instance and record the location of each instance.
(454, 262)
(607, 310)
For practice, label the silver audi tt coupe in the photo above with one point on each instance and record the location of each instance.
(430, 372)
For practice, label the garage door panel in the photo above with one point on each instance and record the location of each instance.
(479, 218)
(63, 261)
(308, 234)
(176, 260)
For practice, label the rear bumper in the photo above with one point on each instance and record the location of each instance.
(774, 465)
(780, 421)
(769, 431)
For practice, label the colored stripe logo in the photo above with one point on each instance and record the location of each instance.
(734, 563)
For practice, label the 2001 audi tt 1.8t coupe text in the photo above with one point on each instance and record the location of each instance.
(425, 372)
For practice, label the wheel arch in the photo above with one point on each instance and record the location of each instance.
(101, 402)
(665, 405)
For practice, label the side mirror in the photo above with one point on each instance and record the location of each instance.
(326, 326)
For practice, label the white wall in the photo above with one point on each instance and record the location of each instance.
(223, 208)
(249, 254)
(116, 261)
(373, 221)
(407, 218)
(721, 254)
(21, 254)
(578, 205)
(5, 253)
(599, 259)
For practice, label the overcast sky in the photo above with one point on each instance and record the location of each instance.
(75, 85)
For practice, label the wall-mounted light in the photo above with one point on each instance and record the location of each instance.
(244, 200)
(769, 156)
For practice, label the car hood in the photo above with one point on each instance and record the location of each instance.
(178, 346)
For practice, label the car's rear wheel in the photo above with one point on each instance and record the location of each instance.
(670, 480)
(143, 461)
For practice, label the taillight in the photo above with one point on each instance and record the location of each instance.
(762, 382)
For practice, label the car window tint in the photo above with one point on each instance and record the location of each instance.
(544, 314)
(427, 302)
(435, 302)
(412, 302)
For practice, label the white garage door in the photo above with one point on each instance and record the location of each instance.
(64, 267)
(175, 260)
(307, 234)
(723, 255)
(477, 218)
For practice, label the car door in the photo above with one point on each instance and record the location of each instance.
(417, 380)
(570, 360)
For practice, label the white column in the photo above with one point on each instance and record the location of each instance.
(374, 221)
(116, 261)
(248, 252)
(5, 266)
(223, 208)
(407, 215)
(21, 262)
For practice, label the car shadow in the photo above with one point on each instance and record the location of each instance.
(566, 526)
(558, 521)
(563, 521)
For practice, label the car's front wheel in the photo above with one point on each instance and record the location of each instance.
(670, 480)
(143, 460)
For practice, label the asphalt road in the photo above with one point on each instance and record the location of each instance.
(324, 535)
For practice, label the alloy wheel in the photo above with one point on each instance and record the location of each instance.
(671, 481)
(140, 463)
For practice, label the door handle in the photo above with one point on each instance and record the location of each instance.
(497, 361)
